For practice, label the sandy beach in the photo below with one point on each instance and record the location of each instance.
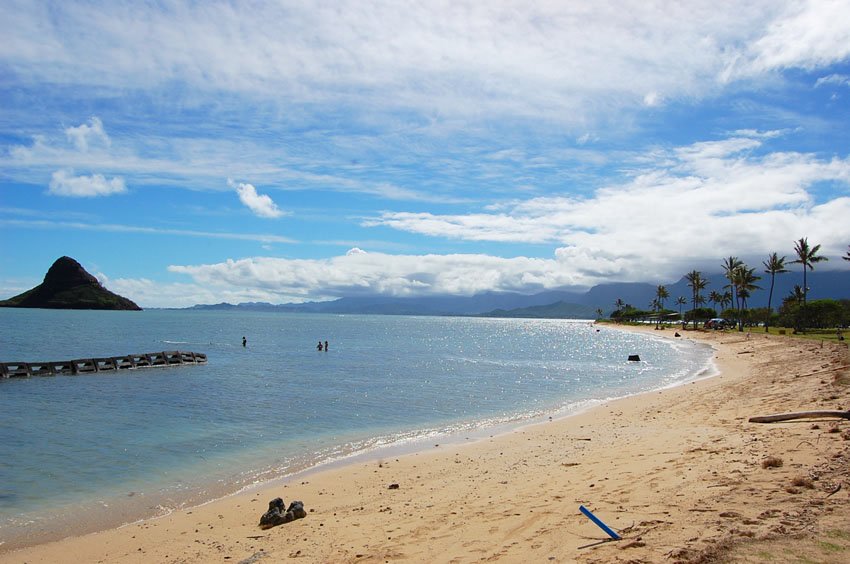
(680, 474)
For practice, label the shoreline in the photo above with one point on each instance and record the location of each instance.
(476, 483)
(110, 512)
(467, 437)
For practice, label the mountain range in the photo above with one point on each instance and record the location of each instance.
(557, 304)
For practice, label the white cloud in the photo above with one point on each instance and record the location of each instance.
(700, 203)
(586, 138)
(91, 225)
(85, 134)
(458, 58)
(652, 99)
(149, 293)
(360, 273)
(505, 227)
(837, 79)
(756, 134)
(64, 183)
(808, 35)
(453, 102)
(197, 164)
(449, 65)
(260, 204)
(640, 233)
(697, 202)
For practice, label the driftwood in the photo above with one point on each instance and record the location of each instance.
(799, 415)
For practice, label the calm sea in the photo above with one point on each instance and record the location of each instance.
(79, 453)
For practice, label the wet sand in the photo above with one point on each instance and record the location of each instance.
(680, 474)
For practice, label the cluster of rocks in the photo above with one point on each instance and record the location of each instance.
(277, 516)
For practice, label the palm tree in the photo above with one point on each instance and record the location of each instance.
(726, 299)
(808, 257)
(680, 301)
(773, 266)
(599, 313)
(661, 294)
(715, 297)
(697, 283)
(744, 281)
(729, 266)
(619, 304)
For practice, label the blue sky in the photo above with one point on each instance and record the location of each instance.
(288, 151)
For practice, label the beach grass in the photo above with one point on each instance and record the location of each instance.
(831, 334)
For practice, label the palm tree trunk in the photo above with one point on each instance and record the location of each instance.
(805, 287)
(769, 301)
(739, 303)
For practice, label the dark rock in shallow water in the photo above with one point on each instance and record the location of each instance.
(634, 357)
(277, 516)
(67, 285)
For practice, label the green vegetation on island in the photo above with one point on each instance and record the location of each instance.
(67, 285)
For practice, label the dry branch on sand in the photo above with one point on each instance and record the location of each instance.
(799, 415)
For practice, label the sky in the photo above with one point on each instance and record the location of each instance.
(206, 152)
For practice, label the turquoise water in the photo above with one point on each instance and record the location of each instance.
(113, 447)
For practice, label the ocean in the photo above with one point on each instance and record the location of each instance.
(87, 452)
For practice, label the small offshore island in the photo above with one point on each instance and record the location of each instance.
(67, 285)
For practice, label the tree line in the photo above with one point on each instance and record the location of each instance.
(795, 310)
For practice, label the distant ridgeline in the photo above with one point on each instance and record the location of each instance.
(560, 304)
(67, 285)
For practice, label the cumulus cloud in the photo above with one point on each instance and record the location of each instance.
(455, 102)
(464, 61)
(807, 35)
(361, 273)
(684, 208)
(260, 204)
(660, 244)
(697, 201)
(64, 183)
(697, 204)
(196, 163)
(149, 293)
(83, 135)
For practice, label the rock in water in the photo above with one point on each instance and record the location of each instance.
(67, 285)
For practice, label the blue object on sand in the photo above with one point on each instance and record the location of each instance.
(599, 523)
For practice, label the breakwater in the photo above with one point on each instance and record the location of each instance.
(102, 364)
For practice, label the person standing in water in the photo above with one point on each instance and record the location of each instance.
(244, 341)
(319, 346)
(326, 346)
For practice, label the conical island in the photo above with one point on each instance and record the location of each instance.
(67, 285)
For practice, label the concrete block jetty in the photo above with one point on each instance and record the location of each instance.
(105, 364)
